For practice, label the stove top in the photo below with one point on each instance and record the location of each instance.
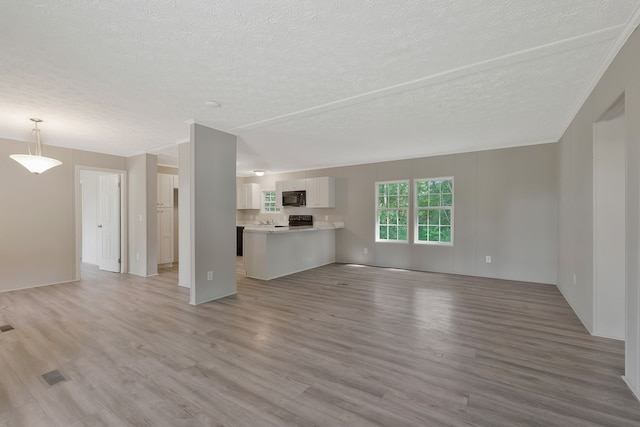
(300, 220)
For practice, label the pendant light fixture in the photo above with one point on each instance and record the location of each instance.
(36, 163)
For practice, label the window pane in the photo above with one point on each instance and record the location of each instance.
(402, 232)
(447, 186)
(403, 201)
(422, 233)
(383, 232)
(445, 234)
(423, 201)
(433, 233)
(445, 217)
(434, 217)
(393, 189)
(393, 202)
(393, 217)
(434, 200)
(422, 188)
(402, 217)
(383, 217)
(393, 233)
(404, 189)
(447, 199)
(422, 217)
(382, 189)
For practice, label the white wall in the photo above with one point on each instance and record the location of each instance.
(142, 195)
(576, 200)
(505, 206)
(37, 225)
(609, 228)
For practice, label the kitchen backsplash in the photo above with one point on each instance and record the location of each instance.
(253, 217)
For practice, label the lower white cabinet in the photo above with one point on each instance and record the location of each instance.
(165, 235)
(248, 196)
(321, 192)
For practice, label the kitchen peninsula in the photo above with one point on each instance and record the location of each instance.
(271, 251)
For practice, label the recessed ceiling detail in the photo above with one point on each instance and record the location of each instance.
(351, 82)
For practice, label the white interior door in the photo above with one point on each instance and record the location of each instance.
(109, 223)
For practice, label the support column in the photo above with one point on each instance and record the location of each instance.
(211, 188)
(184, 215)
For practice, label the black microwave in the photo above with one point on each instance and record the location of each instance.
(294, 198)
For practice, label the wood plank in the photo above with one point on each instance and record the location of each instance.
(336, 345)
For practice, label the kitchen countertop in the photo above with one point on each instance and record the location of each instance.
(280, 229)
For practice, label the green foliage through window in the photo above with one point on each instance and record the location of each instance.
(269, 201)
(392, 211)
(434, 210)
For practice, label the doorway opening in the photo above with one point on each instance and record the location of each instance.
(100, 219)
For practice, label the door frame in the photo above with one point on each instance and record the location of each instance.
(78, 216)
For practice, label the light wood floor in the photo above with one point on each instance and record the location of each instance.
(336, 346)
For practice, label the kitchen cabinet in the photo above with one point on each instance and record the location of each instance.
(279, 189)
(294, 185)
(248, 196)
(165, 190)
(321, 192)
(165, 211)
(165, 235)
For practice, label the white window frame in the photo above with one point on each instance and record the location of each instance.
(407, 209)
(416, 208)
(263, 202)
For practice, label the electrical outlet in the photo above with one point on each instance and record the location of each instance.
(488, 259)
(366, 251)
(209, 275)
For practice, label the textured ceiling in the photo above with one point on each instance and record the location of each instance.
(304, 84)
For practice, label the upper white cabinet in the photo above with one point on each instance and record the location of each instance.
(321, 192)
(279, 190)
(294, 185)
(165, 190)
(248, 196)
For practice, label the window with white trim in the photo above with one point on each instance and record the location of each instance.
(269, 202)
(392, 211)
(434, 211)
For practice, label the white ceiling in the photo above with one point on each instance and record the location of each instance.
(305, 84)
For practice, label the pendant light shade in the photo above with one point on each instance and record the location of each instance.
(36, 163)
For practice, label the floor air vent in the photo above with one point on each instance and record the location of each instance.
(54, 377)
(5, 328)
